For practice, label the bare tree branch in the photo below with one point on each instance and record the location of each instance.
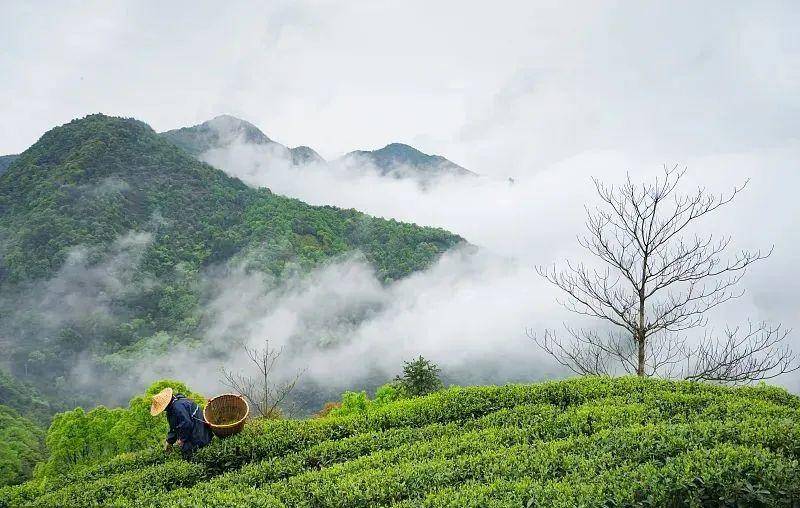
(658, 284)
(743, 356)
(262, 392)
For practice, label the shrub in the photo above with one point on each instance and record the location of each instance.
(358, 402)
(420, 377)
(327, 408)
(580, 442)
(79, 438)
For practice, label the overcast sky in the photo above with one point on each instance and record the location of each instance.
(550, 93)
(503, 89)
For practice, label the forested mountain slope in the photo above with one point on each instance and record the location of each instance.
(107, 201)
(25, 400)
(5, 161)
(591, 442)
(23, 413)
(22, 446)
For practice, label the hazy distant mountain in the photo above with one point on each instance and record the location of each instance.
(225, 130)
(219, 132)
(304, 155)
(5, 161)
(395, 160)
(399, 161)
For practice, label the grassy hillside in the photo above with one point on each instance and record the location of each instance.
(581, 442)
(125, 223)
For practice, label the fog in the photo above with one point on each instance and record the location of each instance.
(470, 311)
(547, 94)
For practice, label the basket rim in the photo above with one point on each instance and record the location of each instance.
(227, 425)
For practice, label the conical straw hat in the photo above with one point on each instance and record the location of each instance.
(160, 401)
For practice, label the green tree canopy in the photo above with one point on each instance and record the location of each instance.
(21, 446)
(78, 437)
(420, 377)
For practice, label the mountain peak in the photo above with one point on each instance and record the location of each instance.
(102, 123)
(303, 155)
(400, 146)
(401, 152)
(399, 159)
(219, 132)
(223, 123)
(81, 138)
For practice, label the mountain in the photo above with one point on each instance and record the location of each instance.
(304, 155)
(395, 160)
(91, 180)
(225, 131)
(5, 162)
(399, 160)
(219, 132)
(107, 230)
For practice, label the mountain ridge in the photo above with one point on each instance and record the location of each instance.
(224, 131)
(397, 160)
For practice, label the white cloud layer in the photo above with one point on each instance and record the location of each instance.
(471, 311)
(501, 89)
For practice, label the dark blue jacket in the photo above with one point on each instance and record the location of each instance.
(186, 423)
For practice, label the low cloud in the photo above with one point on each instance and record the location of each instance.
(469, 312)
(346, 330)
(86, 286)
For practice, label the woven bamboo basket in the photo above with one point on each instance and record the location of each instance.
(226, 414)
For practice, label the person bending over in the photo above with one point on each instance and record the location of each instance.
(187, 428)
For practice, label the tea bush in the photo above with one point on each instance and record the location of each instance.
(581, 442)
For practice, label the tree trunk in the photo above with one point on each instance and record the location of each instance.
(640, 362)
(640, 333)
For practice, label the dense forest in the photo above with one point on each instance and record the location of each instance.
(107, 208)
(5, 161)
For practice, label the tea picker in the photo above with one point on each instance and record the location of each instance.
(187, 428)
(190, 427)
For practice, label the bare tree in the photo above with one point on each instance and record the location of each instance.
(262, 393)
(658, 282)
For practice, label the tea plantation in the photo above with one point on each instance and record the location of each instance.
(581, 442)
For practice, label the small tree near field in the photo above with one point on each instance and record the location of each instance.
(263, 392)
(658, 281)
(420, 377)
